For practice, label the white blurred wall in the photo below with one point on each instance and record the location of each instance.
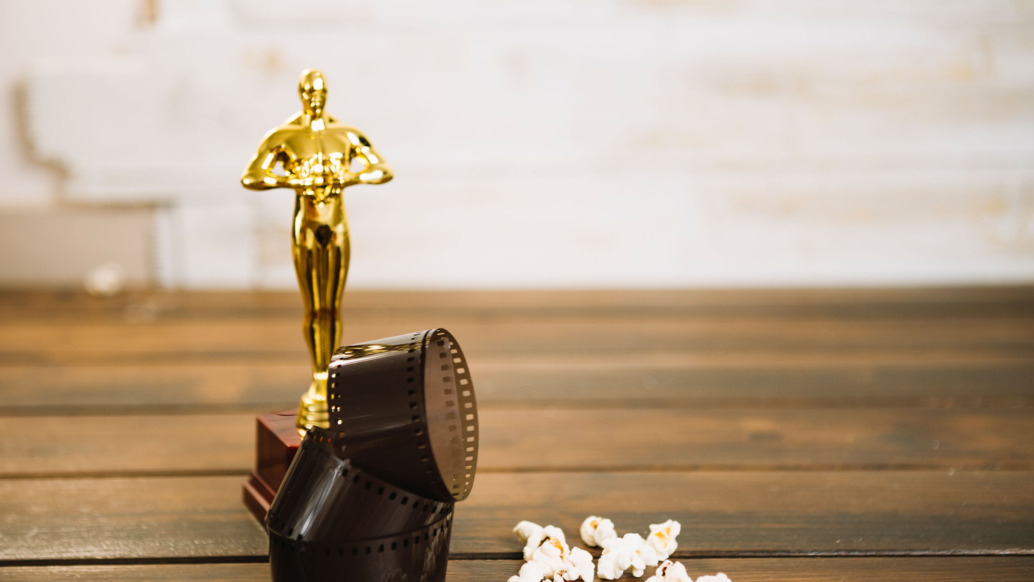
(536, 144)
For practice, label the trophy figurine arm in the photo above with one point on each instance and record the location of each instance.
(259, 174)
(374, 170)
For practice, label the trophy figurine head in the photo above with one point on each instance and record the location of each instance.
(312, 88)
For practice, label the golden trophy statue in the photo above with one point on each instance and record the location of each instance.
(317, 157)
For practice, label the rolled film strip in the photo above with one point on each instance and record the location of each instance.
(372, 498)
(404, 408)
(328, 499)
(419, 555)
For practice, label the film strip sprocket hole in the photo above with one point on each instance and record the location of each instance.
(424, 536)
(419, 555)
(449, 394)
(404, 408)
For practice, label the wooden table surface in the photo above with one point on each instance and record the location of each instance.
(796, 435)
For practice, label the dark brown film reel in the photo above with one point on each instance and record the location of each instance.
(404, 408)
(419, 555)
(372, 498)
(328, 499)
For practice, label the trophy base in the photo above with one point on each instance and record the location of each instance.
(312, 410)
(276, 442)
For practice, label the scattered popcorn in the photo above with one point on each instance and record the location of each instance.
(526, 529)
(550, 559)
(609, 567)
(596, 530)
(645, 556)
(550, 553)
(531, 572)
(578, 565)
(670, 572)
(675, 572)
(620, 554)
(536, 537)
(554, 532)
(635, 553)
(662, 538)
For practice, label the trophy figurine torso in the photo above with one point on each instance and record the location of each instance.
(318, 158)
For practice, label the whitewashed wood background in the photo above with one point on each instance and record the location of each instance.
(536, 144)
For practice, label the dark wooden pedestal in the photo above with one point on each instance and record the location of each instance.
(276, 442)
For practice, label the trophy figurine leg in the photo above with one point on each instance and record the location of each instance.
(321, 253)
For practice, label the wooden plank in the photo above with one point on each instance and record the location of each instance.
(536, 439)
(723, 513)
(710, 381)
(126, 518)
(917, 569)
(155, 573)
(34, 342)
(360, 305)
(767, 382)
(130, 444)
(70, 325)
(258, 385)
(770, 512)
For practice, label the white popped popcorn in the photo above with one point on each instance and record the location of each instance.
(532, 572)
(620, 554)
(675, 572)
(645, 556)
(526, 529)
(554, 532)
(670, 572)
(595, 530)
(535, 536)
(550, 559)
(662, 538)
(632, 551)
(578, 565)
(609, 567)
(550, 553)
(546, 543)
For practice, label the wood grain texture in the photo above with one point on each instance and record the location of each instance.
(105, 342)
(899, 302)
(1019, 569)
(127, 518)
(797, 435)
(214, 327)
(772, 380)
(761, 513)
(534, 438)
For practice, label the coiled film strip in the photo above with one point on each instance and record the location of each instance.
(372, 498)
(404, 407)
